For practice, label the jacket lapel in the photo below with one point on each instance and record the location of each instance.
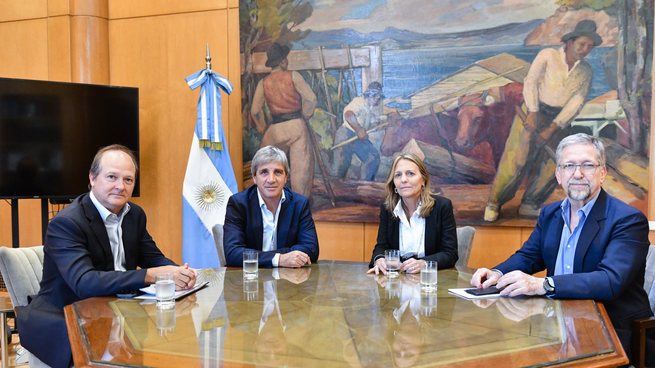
(256, 216)
(99, 230)
(552, 240)
(129, 247)
(590, 230)
(282, 226)
(431, 231)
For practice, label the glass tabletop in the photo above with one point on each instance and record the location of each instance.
(332, 314)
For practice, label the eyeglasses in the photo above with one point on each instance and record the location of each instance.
(587, 169)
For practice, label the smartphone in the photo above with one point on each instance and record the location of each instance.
(127, 294)
(484, 291)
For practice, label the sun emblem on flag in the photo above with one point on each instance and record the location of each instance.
(210, 197)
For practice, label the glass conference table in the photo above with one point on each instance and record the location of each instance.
(332, 314)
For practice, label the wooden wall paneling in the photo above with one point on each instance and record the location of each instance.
(233, 4)
(94, 8)
(155, 54)
(370, 239)
(58, 7)
(120, 9)
(341, 240)
(89, 50)
(493, 244)
(24, 49)
(233, 125)
(22, 10)
(59, 48)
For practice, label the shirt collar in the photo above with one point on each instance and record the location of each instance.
(399, 209)
(262, 203)
(562, 52)
(566, 205)
(104, 212)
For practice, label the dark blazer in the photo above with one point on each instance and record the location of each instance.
(440, 234)
(610, 257)
(78, 264)
(244, 227)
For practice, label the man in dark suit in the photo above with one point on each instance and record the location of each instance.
(270, 218)
(592, 245)
(93, 248)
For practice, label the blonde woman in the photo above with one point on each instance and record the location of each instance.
(418, 223)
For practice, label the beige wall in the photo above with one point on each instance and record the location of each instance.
(154, 45)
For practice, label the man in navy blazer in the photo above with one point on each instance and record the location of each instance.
(93, 248)
(270, 218)
(592, 245)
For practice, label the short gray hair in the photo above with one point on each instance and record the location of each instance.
(582, 138)
(269, 154)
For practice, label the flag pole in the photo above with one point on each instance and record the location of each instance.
(208, 59)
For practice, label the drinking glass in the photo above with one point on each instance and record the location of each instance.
(392, 258)
(429, 275)
(250, 264)
(165, 290)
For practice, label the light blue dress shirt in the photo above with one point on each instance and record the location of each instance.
(269, 222)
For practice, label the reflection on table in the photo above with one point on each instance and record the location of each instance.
(334, 315)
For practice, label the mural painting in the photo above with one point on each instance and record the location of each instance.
(473, 87)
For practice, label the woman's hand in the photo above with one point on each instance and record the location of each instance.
(380, 267)
(411, 265)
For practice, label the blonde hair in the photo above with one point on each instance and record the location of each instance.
(427, 201)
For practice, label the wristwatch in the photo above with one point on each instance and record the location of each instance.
(549, 286)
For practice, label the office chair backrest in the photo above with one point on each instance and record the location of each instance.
(464, 242)
(217, 230)
(649, 284)
(22, 270)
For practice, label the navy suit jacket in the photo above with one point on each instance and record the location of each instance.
(440, 234)
(78, 264)
(244, 228)
(610, 257)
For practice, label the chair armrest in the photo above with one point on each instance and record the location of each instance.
(639, 327)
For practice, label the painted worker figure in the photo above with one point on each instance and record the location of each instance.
(291, 102)
(360, 115)
(269, 218)
(555, 91)
(93, 248)
(592, 245)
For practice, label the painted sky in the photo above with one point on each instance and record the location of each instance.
(423, 16)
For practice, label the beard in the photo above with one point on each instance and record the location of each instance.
(581, 194)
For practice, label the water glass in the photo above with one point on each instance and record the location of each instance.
(165, 320)
(429, 275)
(250, 264)
(165, 290)
(392, 258)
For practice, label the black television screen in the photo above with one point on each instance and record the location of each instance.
(50, 131)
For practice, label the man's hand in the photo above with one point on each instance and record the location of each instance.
(185, 276)
(530, 123)
(484, 278)
(295, 275)
(294, 259)
(361, 134)
(544, 136)
(520, 309)
(518, 283)
(380, 267)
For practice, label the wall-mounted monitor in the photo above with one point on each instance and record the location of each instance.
(50, 131)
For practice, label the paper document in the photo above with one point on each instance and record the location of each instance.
(463, 294)
(150, 292)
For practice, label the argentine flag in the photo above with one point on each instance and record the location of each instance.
(209, 179)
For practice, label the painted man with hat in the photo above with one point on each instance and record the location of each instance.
(290, 101)
(555, 91)
(359, 116)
